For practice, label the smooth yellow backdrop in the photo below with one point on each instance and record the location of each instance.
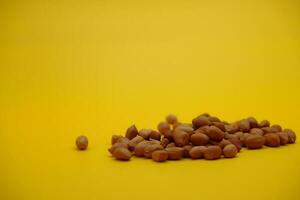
(96, 67)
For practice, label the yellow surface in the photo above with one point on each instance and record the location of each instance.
(95, 67)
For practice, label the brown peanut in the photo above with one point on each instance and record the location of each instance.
(160, 156)
(149, 149)
(272, 140)
(115, 138)
(131, 132)
(198, 139)
(291, 134)
(230, 151)
(171, 119)
(134, 141)
(197, 152)
(174, 153)
(257, 131)
(122, 153)
(181, 138)
(163, 127)
(82, 142)
(200, 121)
(212, 152)
(284, 138)
(254, 141)
(216, 134)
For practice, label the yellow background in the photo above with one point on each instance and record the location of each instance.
(95, 67)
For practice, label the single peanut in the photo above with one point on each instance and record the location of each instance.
(134, 141)
(230, 151)
(122, 153)
(155, 135)
(171, 119)
(160, 156)
(284, 138)
(198, 139)
(197, 152)
(131, 132)
(257, 131)
(115, 138)
(185, 150)
(291, 134)
(212, 152)
(149, 149)
(244, 125)
(216, 134)
(82, 142)
(272, 140)
(145, 133)
(264, 123)
(181, 138)
(200, 121)
(174, 153)
(163, 127)
(255, 141)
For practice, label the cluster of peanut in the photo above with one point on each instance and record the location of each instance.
(206, 137)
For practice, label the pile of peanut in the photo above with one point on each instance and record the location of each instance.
(206, 137)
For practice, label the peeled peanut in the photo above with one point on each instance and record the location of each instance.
(291, 134)
(82, 142)
(140, 147)
(257, 131)
(255, 141)
(216, 134)
(264, 123)
(277, 127)
(181, 138)
(164, 142)
(198, 139)
(253, 122)
(236, 142)
(284, 138)
(244, 125)
(169, 135)
(149, 149)
(123, 140)
(232, 128)
(212, 152)
(131, 132)
(185, 128)
(134, 141)
(155, 135)
(272, 140)
(145, 133)
(117, 145)
(115, 138)
(269, 130)
(239, 134)
(230, 151)
(171, 119)
(203, 129)
(223, 143)
(197, 152)
(220, 125)
(160, 156)
(214, 119)
(122, 153)
(200, 121)
(185, 150)
(174, 153)
(163, 127)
